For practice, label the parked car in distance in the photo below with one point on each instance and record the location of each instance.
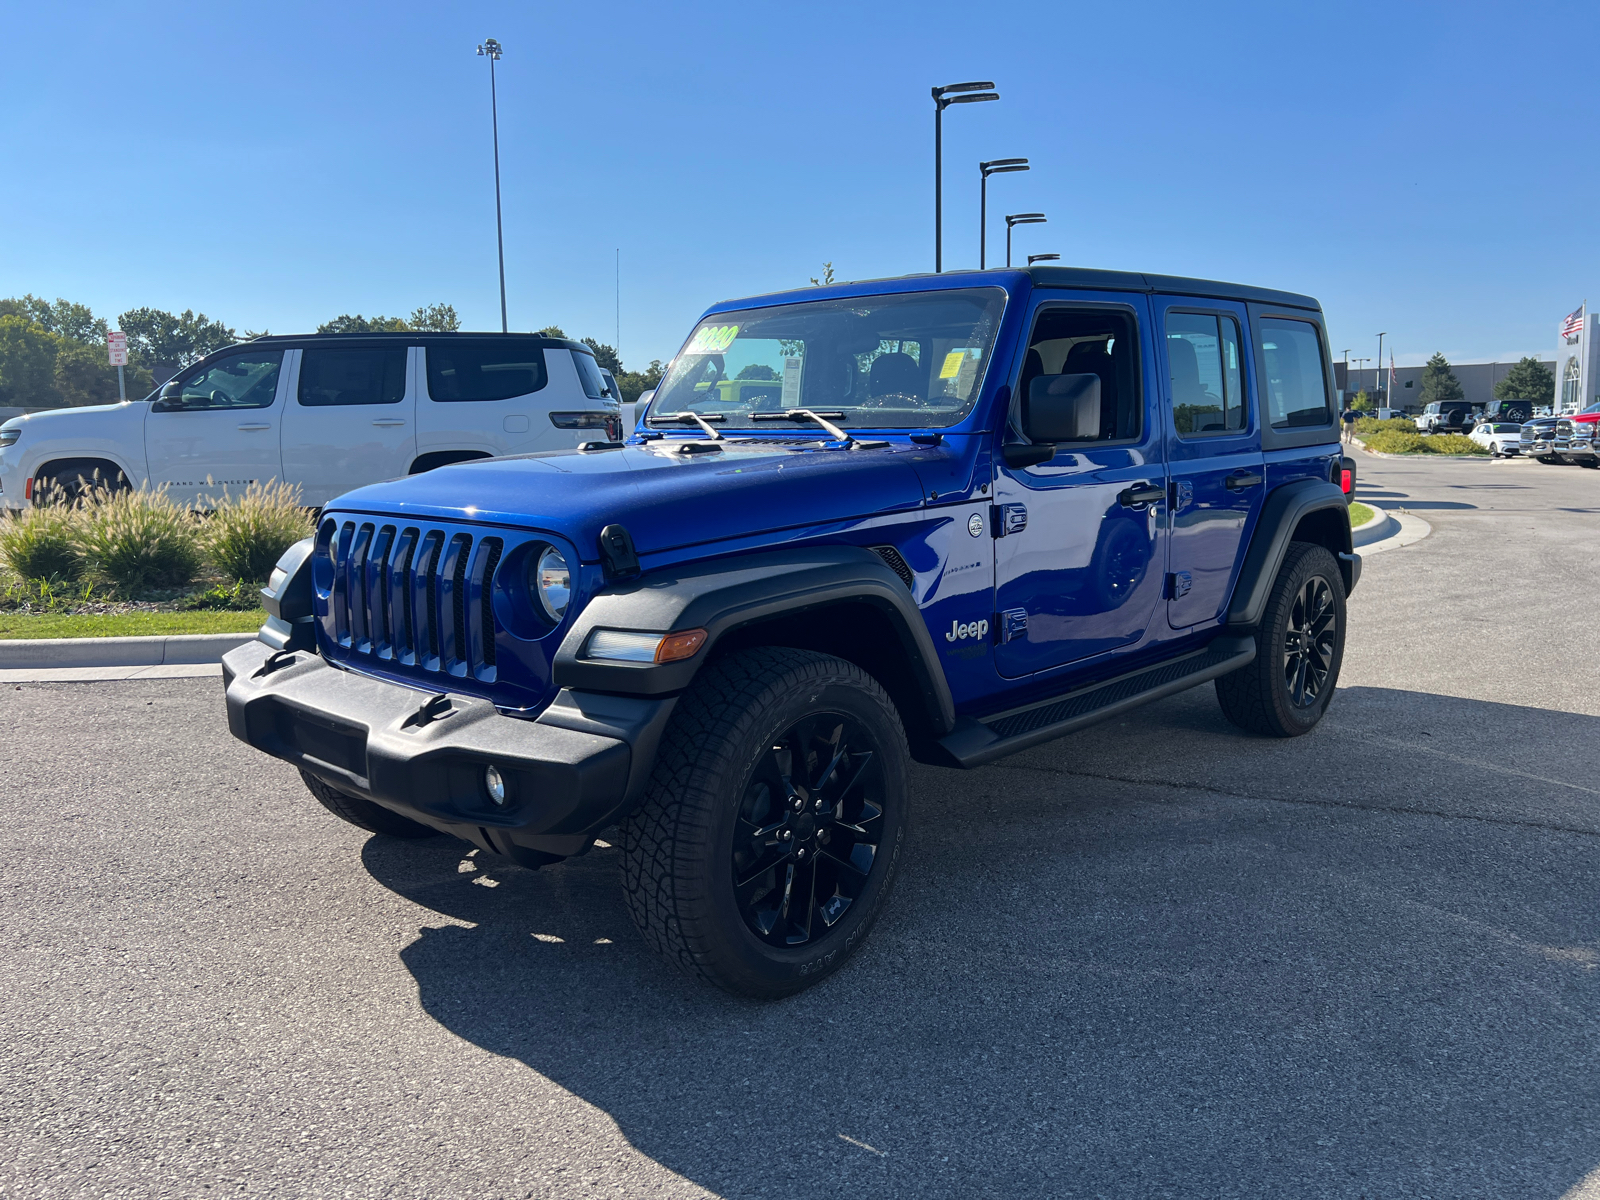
(1392, 414)
(1446, 416)
(1507, 410)
(1576, 437)
(1538, 439)
(1502, 438)
(325, 412)
(941, 518)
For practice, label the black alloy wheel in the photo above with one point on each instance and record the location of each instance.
(806, 839)
(1309, 643)
(1299, 649)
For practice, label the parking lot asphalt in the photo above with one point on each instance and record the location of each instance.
(1160, 958)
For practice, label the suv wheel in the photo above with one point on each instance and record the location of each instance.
(364, 814)
(1299, 648)
(773, 824)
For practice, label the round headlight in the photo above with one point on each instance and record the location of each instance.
(553, 583)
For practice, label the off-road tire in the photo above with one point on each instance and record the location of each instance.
(364, 814)
(677, 848)
(1256, 697)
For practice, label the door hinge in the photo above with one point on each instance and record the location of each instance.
(1178, 584)
(1182, 494)
(1007, 519)
(1013, 625)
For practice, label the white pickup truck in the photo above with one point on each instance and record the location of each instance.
(325, 412)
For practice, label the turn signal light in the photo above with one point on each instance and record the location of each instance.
(620, 645)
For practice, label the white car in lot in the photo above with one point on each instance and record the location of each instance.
(1502, 438)
(325, 412)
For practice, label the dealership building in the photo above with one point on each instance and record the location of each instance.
(1477, 381)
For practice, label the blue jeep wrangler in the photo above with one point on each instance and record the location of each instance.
(940, 518)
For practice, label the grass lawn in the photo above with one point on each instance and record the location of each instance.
(1360, 514)
(134, 624)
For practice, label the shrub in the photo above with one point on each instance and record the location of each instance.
(246, 535)
(137, 541)
(1399, 442)
(39, 545)
(1366, 425)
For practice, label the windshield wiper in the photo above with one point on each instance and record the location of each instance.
(684, 418)
(802, 414)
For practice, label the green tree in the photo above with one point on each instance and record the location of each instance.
(757, 371)
(606, 356)
(63, 318)
(434, 318)
(1439, 382)
(1530, 379)
(27, 363)
(345, 323)
(551, 331)
(827, 276)
(84, 375)
(1362, 402)
(633, 384)
(163, 337)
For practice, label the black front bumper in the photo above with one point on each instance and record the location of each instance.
(576, 769)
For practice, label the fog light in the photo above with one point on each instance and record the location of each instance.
(495, 782)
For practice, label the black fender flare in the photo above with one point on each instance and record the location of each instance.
(726, 594)
(1286, 507)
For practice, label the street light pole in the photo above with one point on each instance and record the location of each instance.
(490, 49)
(1013, 219)
(943, 97)
(997, 166)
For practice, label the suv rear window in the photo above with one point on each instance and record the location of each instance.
(484, 370)
(589, 374)
(1297, 389)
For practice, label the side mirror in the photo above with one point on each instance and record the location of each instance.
(1021, 454)
(1062, 408)
(170, 398)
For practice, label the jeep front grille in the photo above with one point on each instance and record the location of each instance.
(415, 596)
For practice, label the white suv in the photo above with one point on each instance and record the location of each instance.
(327, 412)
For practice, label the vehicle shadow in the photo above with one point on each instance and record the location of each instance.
(1219, 968)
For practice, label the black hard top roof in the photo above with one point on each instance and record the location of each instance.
(1084, 278)
(415, 338)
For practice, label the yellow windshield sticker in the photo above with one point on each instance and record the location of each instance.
(712, 339)
(952, 364)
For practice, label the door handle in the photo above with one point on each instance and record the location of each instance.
(389, 421)
(1140, 494)
(256, 425)
(1240, 480)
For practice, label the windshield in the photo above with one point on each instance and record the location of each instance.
(908, 361)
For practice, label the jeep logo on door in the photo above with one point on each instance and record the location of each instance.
(959, 632)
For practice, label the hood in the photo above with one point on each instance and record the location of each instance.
(665, 499)
(54, 417)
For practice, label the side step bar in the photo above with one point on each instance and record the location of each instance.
(974, 742)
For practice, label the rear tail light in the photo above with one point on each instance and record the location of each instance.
(1347, 480)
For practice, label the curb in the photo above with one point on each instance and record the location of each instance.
(1381, 526)
(178, 649)
(1407, 530)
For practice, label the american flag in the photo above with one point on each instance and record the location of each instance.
(1573, 325)
(1390, 392)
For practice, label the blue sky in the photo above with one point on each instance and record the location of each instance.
(1424, 169)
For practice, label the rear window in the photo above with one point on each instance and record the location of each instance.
(589, 374)
(1297, 390)
(486, 370)
(331, 377)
